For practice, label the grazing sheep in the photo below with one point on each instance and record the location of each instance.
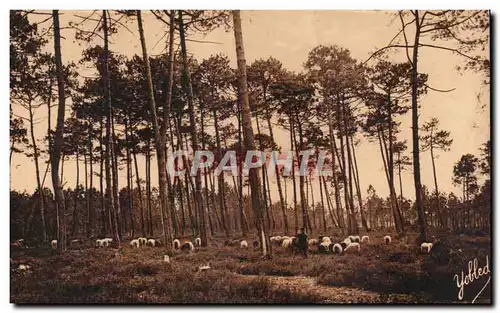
(143, 241)
(277, 238)
(243, 244)
(352, 248)
(197, 242)
(365, 239)
(135, 243)
(176, 244)
(344, 245)
(204, 267)
(151, 242)
(356, 239)
(387, 239)
(166, 258)
(313, 242)
(99, 243)
(107, 241)
(347, 240)
(23, 267)
(426, 247)
(53, 244)
(351, 238)
(286, 243)
(187, 246)
(337, 248)
(324, 247)
(326, 239)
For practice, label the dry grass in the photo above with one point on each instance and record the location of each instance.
(89, 275)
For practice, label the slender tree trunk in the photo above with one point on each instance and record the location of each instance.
(138, 182)
(358, 188)
(220, 178)
(334, 153)
(293, 148)
(91, 184)
(416, 147)
(243, 218)
(109, 143)
(322, 203)
(37, 169)
(101, 178)
(160, 146)
(276, 169)
(76, 191)
(194, 136)
(249, 137)
(58, 138)
(438, 209)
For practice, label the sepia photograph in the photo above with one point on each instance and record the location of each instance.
(184, 156)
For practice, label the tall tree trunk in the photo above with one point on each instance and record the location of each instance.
(101, 177)
(90, 203)
(130, 182)
(248, 135)
(109, 137)
(220, 178)
(194, 136)
(58, 138)
(138, 182)
(37, 169)
(148, 190)
(334, 153)
(243, 218)
(322, 204)
(76, 191)
(118, 216)
(160, 146)
(293, 148)
(358, 188)
(438, 209)
(416, 147)
(276, 169)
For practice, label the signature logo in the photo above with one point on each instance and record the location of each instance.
(474, 273)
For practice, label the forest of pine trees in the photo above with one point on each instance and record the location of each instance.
(139, 110)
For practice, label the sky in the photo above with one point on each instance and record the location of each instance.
(289, 36)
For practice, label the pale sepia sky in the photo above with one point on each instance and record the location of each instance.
(288, 36)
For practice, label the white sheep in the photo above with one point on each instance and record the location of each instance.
(143, 241)
(337, 248)
(53, 244)
(387, 239)
(151, 242)
(324, 247)
(277, 238)
(326, 239)
(365, 239)
(243, 244)
(356, 239)
(351, 238)
(426, 247)
(107, 241)
(348, 240)
(197, 242)
(187, 245)
(286, 243)
(99, 243)
(166, 258)
(353, 247)
(176, 244)
(313, 242)
(135, 243)
(23, 267)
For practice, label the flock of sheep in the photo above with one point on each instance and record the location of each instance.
(324, 244)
